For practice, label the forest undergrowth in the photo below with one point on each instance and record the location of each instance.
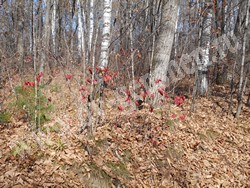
(164, 147)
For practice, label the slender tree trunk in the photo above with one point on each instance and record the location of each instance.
(241, 85)
(132, 51)
(204, 54)
(104, 57)
(81, 41)
(80, 34)
(53, 26)
(105, 34)
(46, 36)
(91, 24)
(20, 29)
(34, 49)
(231, 89)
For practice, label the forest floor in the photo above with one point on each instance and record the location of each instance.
(207, 148)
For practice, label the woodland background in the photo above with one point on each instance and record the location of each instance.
(151, 93)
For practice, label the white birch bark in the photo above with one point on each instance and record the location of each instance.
(106, 34)
(80, 34)
(53, 26)
(91, 24)
(204, 53)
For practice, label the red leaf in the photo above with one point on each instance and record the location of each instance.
(116, 73)
(122, 51)
(182, 117)
(128, 93)
(144, 94)
(40, 74)
(120, 108)
(107, 78)
(68, 77)
(38, 79)
(82, 89)
(161, 91)
(32, 84)
(88, 80)
(173, 116)
(90, 70)
(178, 100)
(96, 68)
(157, 81)
(94, 81)
(166, 95)
(137, 103)
(105, 69)
(128, 100)
(151, 109)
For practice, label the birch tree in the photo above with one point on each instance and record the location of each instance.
(91, 24)
(104, 57)
(203, 62)
(53, 26)
(105, 34)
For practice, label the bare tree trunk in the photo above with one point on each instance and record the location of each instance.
(132, 51)
(231, 89)
(81, 42)
(91, 24)
(241, 85)
(104, 57)
(53, 26)
(105, 34)
(204, 55)
(90, 99)
(34, 49)
(20, 29)
(164, 42)
(46, 36)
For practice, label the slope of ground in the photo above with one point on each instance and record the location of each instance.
(207, 148)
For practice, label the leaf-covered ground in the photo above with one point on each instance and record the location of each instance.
(129, 149)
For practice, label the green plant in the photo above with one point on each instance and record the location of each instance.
(59, 145)
(55, 88)
(19, 148)
(26, 102)
(5, 117)
(50, 129)
(119, 169)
